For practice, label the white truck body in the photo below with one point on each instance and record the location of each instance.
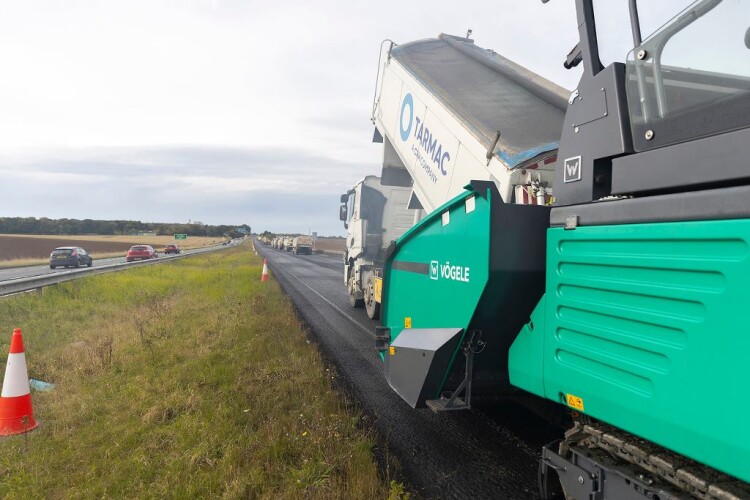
(374, 215)
(302, 245)
(439, 106)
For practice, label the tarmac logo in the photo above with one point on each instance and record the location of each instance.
(572, 169)
(434, 268)
(405, 130)
(425, 145)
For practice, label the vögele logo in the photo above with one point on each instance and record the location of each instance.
(448, 271)
(406, 130)
(434, 269)
(572, 169)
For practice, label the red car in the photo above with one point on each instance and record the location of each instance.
(141, 252)
(171, 249)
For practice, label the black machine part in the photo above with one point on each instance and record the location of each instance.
(710, 204)
(703, 162)
(416, 362)
(597, 461)
(612, 142)
(594, 475)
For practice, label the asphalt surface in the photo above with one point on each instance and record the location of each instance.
(487, 452)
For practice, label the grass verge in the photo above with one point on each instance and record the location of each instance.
(187, 379)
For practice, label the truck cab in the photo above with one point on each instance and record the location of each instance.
(374, 215)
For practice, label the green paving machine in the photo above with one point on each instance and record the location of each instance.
(620, 300)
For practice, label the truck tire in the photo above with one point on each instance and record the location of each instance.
(371, 306)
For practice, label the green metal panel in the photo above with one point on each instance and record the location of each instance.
(440, 269)
(646, 324)
(475, 264)
(525, 359)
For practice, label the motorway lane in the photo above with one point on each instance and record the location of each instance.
(27, 272)
(13, 273)
(489, 452)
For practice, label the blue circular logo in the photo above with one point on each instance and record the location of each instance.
(406, 131)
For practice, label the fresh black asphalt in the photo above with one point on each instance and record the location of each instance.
(487, 452)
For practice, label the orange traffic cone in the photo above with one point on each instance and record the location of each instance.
(264, 276)
(16, 415)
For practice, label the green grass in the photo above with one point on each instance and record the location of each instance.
(188, 379)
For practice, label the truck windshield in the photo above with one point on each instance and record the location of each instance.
(691, 78)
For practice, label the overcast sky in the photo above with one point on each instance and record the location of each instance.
(226, 112)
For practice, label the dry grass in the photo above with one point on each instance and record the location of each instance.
(331, 244)
(182, 380)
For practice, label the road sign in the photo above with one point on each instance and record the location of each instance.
(180, 236)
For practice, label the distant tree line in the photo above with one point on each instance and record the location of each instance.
(32, 225)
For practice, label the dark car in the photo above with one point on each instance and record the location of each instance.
(142, 252)
(171, 249)
(70, 256)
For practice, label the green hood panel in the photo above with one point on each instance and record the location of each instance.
(645, 324)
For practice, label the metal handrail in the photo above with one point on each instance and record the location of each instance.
(377, 76)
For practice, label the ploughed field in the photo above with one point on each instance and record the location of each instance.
(33, 247)
(330, 244)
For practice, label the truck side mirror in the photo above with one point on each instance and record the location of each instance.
(344, 198)
(747, 38)
(342, 213)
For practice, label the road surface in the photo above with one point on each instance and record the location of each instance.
(487, 452)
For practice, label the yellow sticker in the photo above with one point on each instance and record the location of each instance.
(392, 351)
(407, 322)
(574, 402)
(377, 290)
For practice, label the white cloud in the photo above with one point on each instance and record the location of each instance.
(139, 100)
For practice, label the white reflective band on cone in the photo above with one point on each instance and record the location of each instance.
(16, 382)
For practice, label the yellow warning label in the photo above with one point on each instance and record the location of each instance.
(392, 351)
(377, 290)
(407, 322)
(574, 402)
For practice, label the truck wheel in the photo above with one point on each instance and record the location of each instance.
(371, 306)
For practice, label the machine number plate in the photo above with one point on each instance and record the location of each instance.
(574, 402)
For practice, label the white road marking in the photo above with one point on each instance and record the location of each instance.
(341, 311)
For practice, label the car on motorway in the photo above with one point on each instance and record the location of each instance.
(171, 249)
(70, 257)
(141, 252)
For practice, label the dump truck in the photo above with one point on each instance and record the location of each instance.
(374, 216)
(589, 249)
(302, 245)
